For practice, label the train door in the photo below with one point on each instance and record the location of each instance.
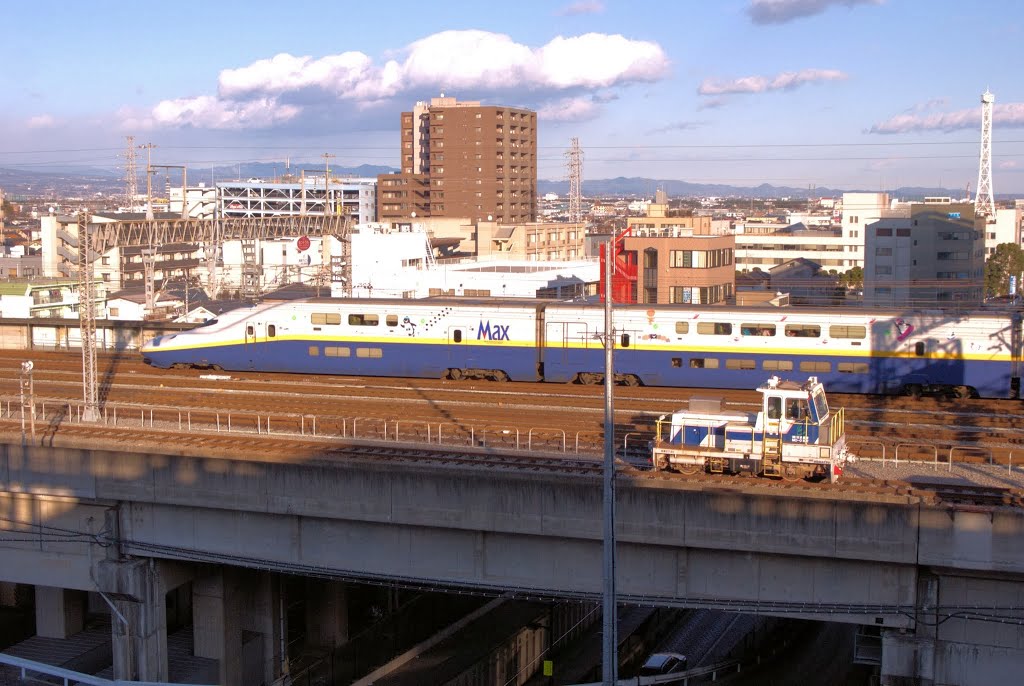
(255, 342)
(565, 346)
(1016, 353)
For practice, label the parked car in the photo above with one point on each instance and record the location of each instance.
(663, 663)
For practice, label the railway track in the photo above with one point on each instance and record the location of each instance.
(978, 431)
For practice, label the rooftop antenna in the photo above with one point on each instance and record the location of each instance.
(984, 202)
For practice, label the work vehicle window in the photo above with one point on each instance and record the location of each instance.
(774, 408)
(795, 409)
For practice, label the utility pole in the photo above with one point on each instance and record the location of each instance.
(28, 400)
(327, 183)
(610, 626)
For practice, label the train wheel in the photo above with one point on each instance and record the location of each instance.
(689, 469)
(500, 376)
(631, 380)
(455, 374)
(913, 390)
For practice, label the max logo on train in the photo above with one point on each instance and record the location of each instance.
(486, 332)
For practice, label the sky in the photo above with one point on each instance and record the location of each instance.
(849, 94)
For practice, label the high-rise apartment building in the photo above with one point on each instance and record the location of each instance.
(463, 159)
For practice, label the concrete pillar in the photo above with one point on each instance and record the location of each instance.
(908, 657)
(59, 612)
(137, 589)
(263, 619)
(326, 613)
(237, 619)
(216, 623)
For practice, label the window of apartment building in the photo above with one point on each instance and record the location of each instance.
(680, 294)
(572, 235)
(903, 233)
(439, 116)
(854, 219)
(407, 145)
(439, 170)
(478, 194)
(532, 239)
(883, 270)
(438, 182)
(680, 258)
(476, 129)
(478, 115)
(438, 144)
(883, 232)
(883, 252)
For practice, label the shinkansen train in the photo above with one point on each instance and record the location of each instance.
(975, 354)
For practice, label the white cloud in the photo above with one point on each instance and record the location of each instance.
(569, 110)
(582, 7)
(270, 91)
(1010, 115)
(759, 84)
(1008, 165)
(782, 11)
(209, 112)
(42, 121)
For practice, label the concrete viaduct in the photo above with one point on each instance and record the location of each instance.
(941, 582)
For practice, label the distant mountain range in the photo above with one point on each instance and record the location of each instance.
(84, 182)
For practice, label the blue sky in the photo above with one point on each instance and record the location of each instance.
(865, 94)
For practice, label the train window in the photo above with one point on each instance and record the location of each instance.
(803, 330)
(682, 327)
(919, 348)
(846, 331)
(249, 330)
(703, 363)
(369, 352)
(777, 365)
(795, 409)
(314, 351)
(271, 330)
(733, 363)
(815, 366)
(337, 351)
(625, 340)
(457, 336)
(714, 328)
(363, 320)
(392, 320)
(852, 367)
(757, 329)
(325, 318)
(677, 362)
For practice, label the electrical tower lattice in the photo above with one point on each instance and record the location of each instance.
(574, 160)
(131, 179)
(984, 201)
(87, 320)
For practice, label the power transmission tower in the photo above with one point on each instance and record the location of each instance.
(131, 179)
(149, 179)
(327, 183)
(574, 160)
(984, 202)
(87, 320)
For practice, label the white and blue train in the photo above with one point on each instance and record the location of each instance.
(849, 350)
(795, 435)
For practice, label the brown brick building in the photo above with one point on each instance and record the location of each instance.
(462, 159)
